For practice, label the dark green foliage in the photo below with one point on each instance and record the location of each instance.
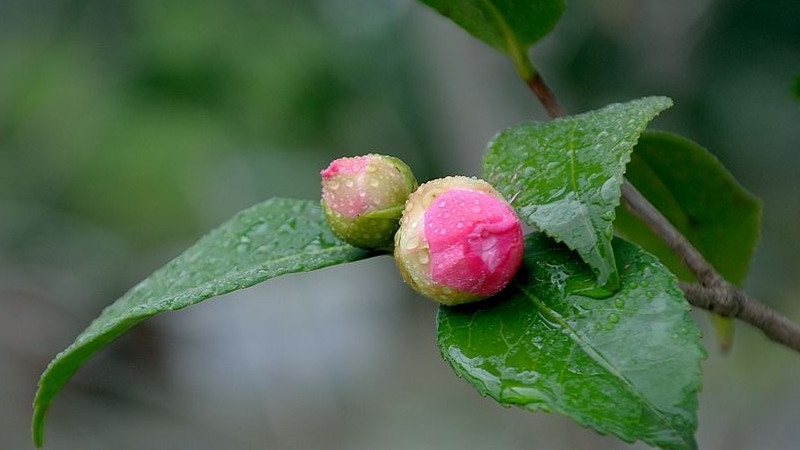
(690, 187)
(627, 365)
(507, 25)
(273, 238)
(564, 176)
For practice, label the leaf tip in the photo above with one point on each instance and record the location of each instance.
(663, 101)
(37, 425)
(723, 328)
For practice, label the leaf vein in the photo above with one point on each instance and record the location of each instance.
(595, 355)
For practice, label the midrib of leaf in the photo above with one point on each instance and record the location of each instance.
(519, 58)
(574, 180)
(143, 311)
(165, 302)
(582, 202)
(597, 356)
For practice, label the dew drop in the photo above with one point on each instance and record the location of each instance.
(613, 318)
(349, 183)
(374, 183)
(423, 258)
(370, 168)
(412, 243)
(333, 185)
(619, 303)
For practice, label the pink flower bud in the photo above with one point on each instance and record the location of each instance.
(363, 197)
(459, 241)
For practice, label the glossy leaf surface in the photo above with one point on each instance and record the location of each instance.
(628, 365)
(565, 175)
(507, 25)
(273, 238)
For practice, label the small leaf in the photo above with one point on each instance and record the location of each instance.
(273, 238)
(723, 329)
(627, 365)
(701, 199)
(565, 175)
(507, 25)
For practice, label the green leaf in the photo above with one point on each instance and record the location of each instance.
(564, 176)
(507, 25)
(273, 238)
(627, 365)
(723, 329)
(702, 200)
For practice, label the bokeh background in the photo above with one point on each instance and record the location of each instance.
(130, 128)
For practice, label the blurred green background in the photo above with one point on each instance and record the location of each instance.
(130, 128)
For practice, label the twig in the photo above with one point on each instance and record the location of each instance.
(713, 293)
(545, 96)
(727, 300)
(639, 206)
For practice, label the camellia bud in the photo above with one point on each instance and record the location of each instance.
(363, 197)
(459, 240)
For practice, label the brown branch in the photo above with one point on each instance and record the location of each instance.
(691, 257)
(727, 300)
(545, 96)
(713, 293)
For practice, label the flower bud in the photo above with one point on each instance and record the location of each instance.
(459, 241)
(363, 197)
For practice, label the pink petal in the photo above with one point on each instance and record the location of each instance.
(475, 241)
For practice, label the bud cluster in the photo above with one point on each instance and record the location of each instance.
(456, 240)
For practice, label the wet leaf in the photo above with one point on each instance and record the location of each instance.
(507, 25)
(702, 200)
(273, 238)
(565, 175)
(628, 365)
